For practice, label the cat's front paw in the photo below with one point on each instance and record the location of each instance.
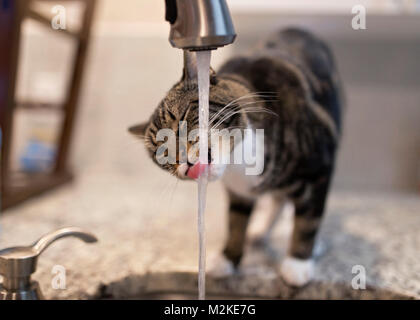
(297, 272)
(220, 266)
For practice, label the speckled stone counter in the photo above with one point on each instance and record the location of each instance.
(148, 243)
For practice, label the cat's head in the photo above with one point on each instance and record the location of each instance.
(177, 115)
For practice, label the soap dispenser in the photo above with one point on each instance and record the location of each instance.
(18, 263)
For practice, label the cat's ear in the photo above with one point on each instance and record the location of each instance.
(190, 66)
(213, 77)
(139, 130)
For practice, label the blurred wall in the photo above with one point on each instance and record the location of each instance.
(132, 65)
(130, 11)
(153, 10)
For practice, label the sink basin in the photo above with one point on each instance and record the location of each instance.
(187, 296)
(183, 286)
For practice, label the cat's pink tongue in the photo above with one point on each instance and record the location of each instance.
(197, 170)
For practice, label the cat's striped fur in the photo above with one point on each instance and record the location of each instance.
(293, 75)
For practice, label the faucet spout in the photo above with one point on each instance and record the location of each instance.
(199, 24)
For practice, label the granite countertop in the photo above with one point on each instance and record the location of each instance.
(148, 242)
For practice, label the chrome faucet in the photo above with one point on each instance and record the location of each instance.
(18, 263)
(199, 24)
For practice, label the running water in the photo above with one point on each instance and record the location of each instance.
(203, 69)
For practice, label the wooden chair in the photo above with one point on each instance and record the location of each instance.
(12, 13)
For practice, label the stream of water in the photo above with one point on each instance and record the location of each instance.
(203, 69)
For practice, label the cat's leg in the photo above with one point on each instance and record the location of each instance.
(240, 210)
(298, 267)
(264, 235)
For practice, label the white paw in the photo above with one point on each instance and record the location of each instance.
(220, 266)
(297, 272)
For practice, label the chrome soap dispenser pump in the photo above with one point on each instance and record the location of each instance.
(18, 263)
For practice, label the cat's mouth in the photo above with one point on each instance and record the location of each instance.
(187, 171)
(197, 170)
(192, 171)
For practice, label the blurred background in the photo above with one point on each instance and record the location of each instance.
(77, 90)
(130, 65)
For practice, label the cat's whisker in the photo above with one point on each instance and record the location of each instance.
(229, 114)
(164, 191)
(171, 197)
(227, 117)
(247, 96)
(244, 110)
(233, 108)
(235, 127)
(233, 104)
(236, 106)
(129, 145)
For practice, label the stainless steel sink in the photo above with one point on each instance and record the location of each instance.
(183, 286)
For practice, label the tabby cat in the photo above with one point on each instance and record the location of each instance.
(288, 86)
